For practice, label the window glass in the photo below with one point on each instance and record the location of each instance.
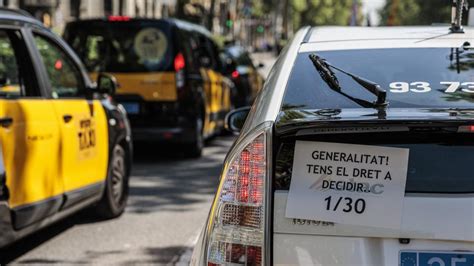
(138, 46)
(437, 164)
(205, 52)
(189, 46)
(10, 82)
(438, 78)
(65, 77)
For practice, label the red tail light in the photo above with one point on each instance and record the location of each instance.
(179, 62)
(466, 129)
(119, 18)
(238, 221)
(58, 65)
(235, 74)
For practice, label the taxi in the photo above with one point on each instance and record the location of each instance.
(65, 145)
(357, 151)
(244, 73)
(172, 81)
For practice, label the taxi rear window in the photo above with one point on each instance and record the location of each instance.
(134, 46)
(437, 164)
(412, 77)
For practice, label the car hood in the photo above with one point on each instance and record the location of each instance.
(292, 118)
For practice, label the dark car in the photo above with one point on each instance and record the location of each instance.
(65, 145)
(170, 75)
(244, 73)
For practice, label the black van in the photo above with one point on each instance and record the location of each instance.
(169, 72)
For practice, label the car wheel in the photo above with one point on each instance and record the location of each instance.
(194, 149)
(115, 196)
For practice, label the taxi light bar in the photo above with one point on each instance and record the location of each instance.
(237, 234)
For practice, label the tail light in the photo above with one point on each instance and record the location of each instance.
(179, 65)
(466, 129)
(235, 74)
(237, 224)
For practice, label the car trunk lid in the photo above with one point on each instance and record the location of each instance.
(438, 205)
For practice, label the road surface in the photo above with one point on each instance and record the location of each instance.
(169, 201)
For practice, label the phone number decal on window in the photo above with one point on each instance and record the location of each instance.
(422, 86)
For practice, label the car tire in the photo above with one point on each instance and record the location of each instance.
(194, 149)
(115, 195)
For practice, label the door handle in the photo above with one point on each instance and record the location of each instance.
(67, 118)
(6, 122)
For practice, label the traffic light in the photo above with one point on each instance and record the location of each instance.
(229, 22)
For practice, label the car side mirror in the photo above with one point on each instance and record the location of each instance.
(106, 84)
(234, 120)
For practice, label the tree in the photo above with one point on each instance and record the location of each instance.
(210, 18)
(180, 8)
(417, 12)
(322, 12)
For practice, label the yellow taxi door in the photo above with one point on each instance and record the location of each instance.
(29, 136)
(216, 91)
(220, 92)
(210, 103)
(83, 123)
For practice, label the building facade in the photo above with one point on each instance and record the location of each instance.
(56, 13)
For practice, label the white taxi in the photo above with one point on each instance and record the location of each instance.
(357, 151)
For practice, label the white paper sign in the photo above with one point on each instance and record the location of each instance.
(348, 184)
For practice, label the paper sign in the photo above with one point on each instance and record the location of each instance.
(348, 184)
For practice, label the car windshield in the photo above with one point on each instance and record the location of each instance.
(413, 78)
(138, 46)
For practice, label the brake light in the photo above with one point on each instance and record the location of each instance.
(238, 217)
(179, 65)
(58, 65)
(466, 129)
(235, 74)
(179, 62)
(119, 18)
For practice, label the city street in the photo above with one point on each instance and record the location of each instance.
(169, 201)
(168, 204)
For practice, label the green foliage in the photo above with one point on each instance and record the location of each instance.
(321, 12)
(260, 8)
(417, 12)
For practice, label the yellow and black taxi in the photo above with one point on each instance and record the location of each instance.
(65, 145)
(171, 78)
(244, 73)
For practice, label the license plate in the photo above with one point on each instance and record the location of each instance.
(436, 258)
(131, 108)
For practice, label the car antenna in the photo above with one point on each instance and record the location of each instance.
(456, 15)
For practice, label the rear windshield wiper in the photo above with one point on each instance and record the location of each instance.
(326, 73)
